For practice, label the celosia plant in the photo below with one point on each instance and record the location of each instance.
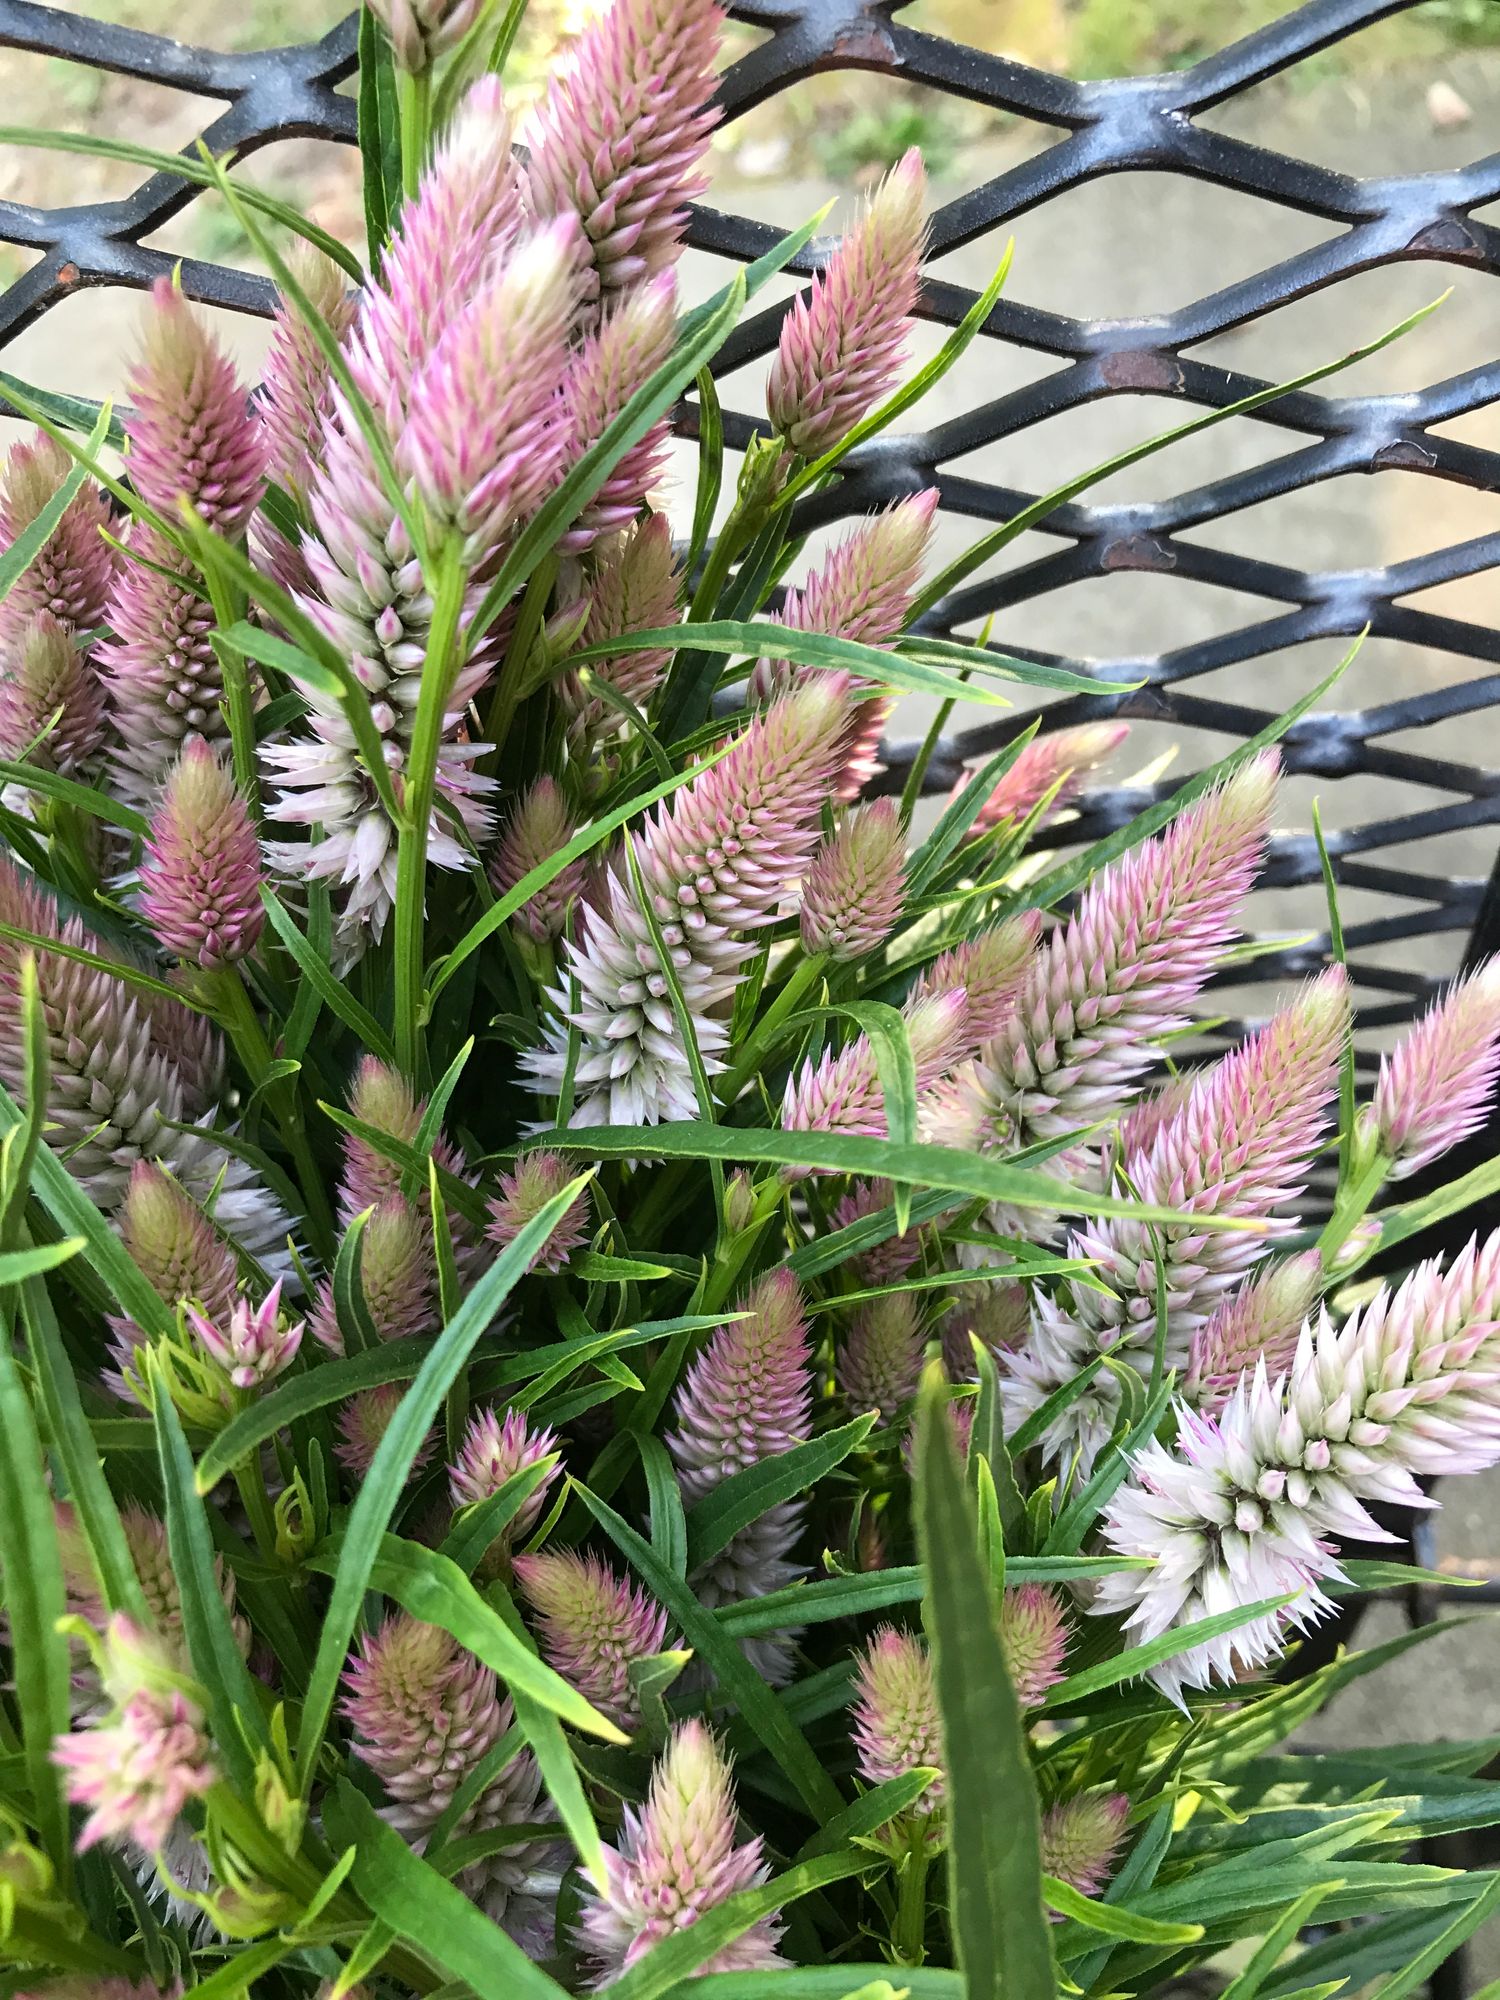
(623, 1359)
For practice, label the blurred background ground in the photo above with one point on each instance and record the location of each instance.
(1419, 92)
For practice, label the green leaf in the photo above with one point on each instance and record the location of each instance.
(1000, 1929)
(35, 1599)
(68, 792)
(762, 1712)
(923, 1166)
(18, 1265)
(206, 1625)
(34, 537)
(350, 1308)
(871, 1811)
(425, 1909)
(393, 1461)
(679, 1954)
(669, 1532)
(1111, 1921)
(379, 135)
(475, 1530)
(1138, 1660)
(434, 1589)
(1247, 1985)
(300, 1395)
(334, 994)
(832, 1982)
(855, 1595)
(1416, 1971)
(710, 469)
(744, 1496)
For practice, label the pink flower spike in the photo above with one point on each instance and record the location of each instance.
(70, 576)
(619, 137)
(256, 1346)
(200, 880)
(539, 824)
(990, 970)
(51, 701)
(1034, 1635)
(593, 1625)
(1055, 765)
(422, 30)
(635, 588)
(1081, 1837)
(482, 440)
(523, 1193)
(843, 342)
(1120, 974)
(891, 1259)
(1257, 1324)
(631, 343)
(856, 884)
(1437, 1085)
(843, 1092)
(363, 1421)
(493, 1450)
(173, 1246)
(880, 1358)
(296, 393)
(895, 1725)
(677, 1858)
(190, 431)
(137, 1771)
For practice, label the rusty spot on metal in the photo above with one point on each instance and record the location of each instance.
(1403, 454)
(868, 42)
(1137, 552)
(1449, 238)
(68, 274)
(1142, 368)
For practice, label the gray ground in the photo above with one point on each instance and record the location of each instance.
(1134, 245)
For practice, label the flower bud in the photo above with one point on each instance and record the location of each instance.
(200, 880)
(856, 881)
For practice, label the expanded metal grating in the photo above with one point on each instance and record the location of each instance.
(1147, 124)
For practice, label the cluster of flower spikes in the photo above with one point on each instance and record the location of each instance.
(518, 308)
(1290, 1424)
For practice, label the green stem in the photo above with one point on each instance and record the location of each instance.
(416, 116)
(764, 1036)
(910, 1933)
(250, 1478)
(242, 1024)
(420, 791)
(1350, 1209)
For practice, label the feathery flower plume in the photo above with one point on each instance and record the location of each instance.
(990, 969)
(676, 1859)
(190, 433)
(296, 394)
(493, 1450)
(540, 823)
(422, 30)
(363, 1421)
(481, 441)
(1240, 1146)
(843, 342)
(164, 678)
(116, 1090)
(855, 884)
(1436, 1085)
(1149, 1117)
(1050, 767)
(634, 588)
(593, 1624)
(51, 701)
(524, 1193)
(715, 861)
(896, 1726)
(200, 879)
(425, 1713)
(879, 1362)
(1120, 973)
(1081, 1837)
(369, 594)
(843, 1092)
(173, 1245)
(70, 575)
(1258, 1323)
(381, 1098)
(747, 1398)
(1248, 1504)
(1034, 1635)
(397, 1273)
(890, 1260)
(997, 1315)
(255, 1345)
(620, 357)
(864, 591)
(137, 1770)
(619, 137)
